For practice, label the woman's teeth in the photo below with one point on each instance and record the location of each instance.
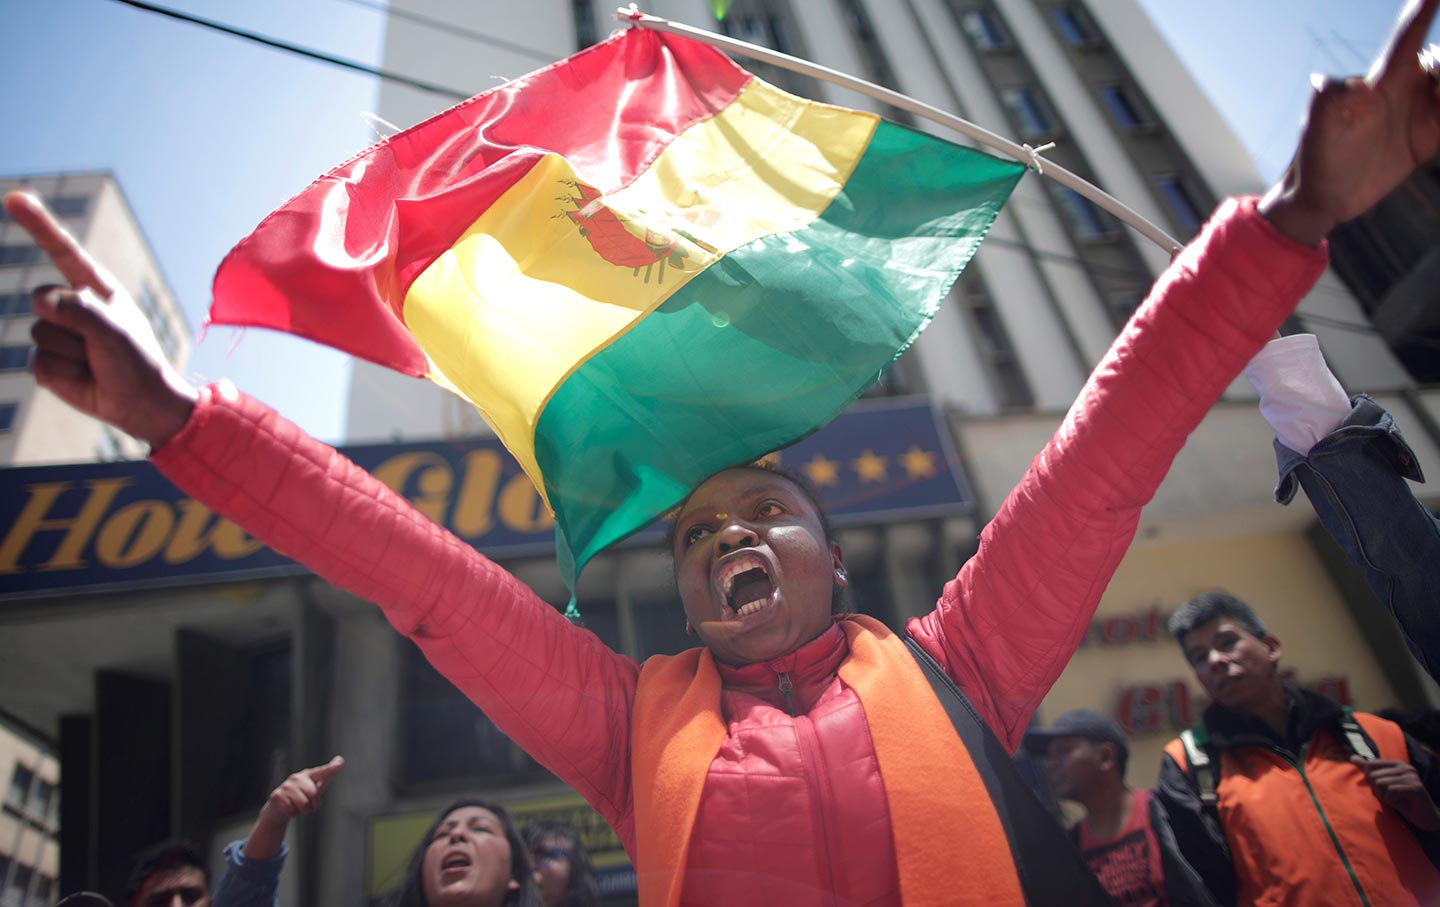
(751, 607)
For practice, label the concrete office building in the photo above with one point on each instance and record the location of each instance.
(35, 427)
(239, 678)
(29, 820)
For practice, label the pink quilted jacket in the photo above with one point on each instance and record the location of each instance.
(793, 809)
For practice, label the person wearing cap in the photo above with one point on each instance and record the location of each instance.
(1283, 796)
(84, 899)
(1085, 755)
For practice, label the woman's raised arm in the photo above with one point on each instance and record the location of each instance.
(555, 689)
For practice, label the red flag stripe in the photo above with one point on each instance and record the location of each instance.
(345, 250)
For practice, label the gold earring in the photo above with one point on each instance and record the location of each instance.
(722, 516)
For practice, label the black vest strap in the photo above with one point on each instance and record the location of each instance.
(1050, 868)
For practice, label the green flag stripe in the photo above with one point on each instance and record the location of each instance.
(768, 344)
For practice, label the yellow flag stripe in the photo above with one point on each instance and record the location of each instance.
(547, 276)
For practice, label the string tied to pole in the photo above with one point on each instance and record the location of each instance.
(1033, 153)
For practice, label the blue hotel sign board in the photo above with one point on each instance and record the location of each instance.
(121, 525)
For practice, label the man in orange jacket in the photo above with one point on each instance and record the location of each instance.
(1281, 795)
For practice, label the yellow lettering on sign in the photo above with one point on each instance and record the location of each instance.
(199, 530)
(134, 533)
(521, 508)
(35, 518)
(474, 511)
(434, 480)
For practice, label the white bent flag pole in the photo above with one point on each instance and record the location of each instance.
(1024, 153)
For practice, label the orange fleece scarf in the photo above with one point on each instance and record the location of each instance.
(936, 796)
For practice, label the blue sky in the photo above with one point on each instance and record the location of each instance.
(207, 133)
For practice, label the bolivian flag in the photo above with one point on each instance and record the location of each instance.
(641, 264)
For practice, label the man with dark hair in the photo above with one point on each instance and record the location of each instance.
(1085, 756)
(169, 874)
(1281, 795)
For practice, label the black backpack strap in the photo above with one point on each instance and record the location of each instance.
(1203, 770)
(1050, 868)
(1355, 738)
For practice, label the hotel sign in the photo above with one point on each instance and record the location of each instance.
(65, 529)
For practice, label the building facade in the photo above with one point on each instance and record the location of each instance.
(182, 679)
(35, 427)
(29, 819)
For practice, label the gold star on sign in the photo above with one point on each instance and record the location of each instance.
(919, 464)
(869, 467)
(822, 471)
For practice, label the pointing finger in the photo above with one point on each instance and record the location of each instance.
(1406, 41)
(321, 774)
(82, 271)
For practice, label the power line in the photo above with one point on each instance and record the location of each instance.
(451, 28)
(286, 46)
(320, 56)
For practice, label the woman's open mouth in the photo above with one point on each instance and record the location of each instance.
(746, 584)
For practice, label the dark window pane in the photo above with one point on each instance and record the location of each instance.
(1182, 206)
(660, 626)
(19, 255)
(1124, 109)
(1075, 27)
(1086, 219)
(1030, 111)
(13, 358)
(17, 303)
(985, 30)
(69, 205)
(445, 737)
(19, 791)
(8, 411)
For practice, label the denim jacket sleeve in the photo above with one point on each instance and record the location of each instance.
(1355, 479)
(249, 883)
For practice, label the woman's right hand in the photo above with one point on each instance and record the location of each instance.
(94, 348)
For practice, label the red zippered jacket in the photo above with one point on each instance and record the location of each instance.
(793, 809)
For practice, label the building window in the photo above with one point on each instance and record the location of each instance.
(108, 449)
(68, 205)
(1125, 109)
(985, 30)
(8, 412)
(19, 255)
(20, 878)
(150, 305)
(1075, 26)
(14, 357)
(12, 304)
(19, 792)
(1087, 220)
(45, 799)
(1031, 113)
(446, 739)
(1181, 203)
(877, 64)
(1007, 379)
(585, 31)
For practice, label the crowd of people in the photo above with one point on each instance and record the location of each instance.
(800, 755)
